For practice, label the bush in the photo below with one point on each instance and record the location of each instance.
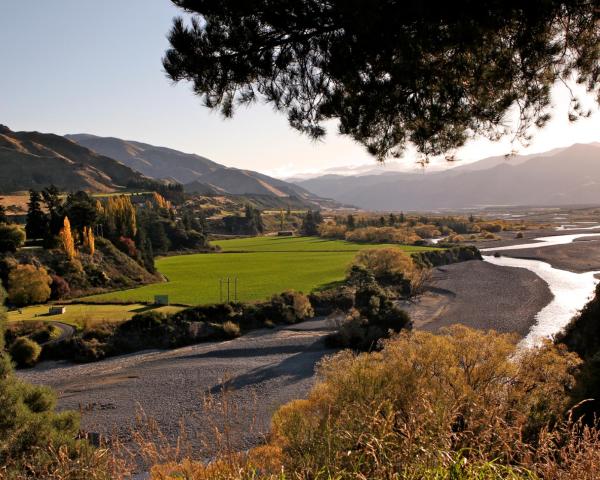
(453, 254)
(328, 301)
(519, 235)
(12, 237)
(391, 266)
(288, 307)
(374, 318)
(28, 285)
(231, 329)
(328, 230)
(25, 352)
(424, 400)
(59, 287)
(382, 235)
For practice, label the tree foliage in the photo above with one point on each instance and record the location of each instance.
(25, 352)
(28, 284)
(37, 222)
(429, 73)
(89, 242)
(11, 237)
(67, 240)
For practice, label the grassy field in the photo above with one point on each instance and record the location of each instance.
(80, 314)
(262, 265)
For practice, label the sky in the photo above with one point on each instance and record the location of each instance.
(82, 66)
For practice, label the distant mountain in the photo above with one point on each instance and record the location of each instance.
(567, 176)
(36, 160)
(198, 174)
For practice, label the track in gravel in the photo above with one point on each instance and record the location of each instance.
(261, 371)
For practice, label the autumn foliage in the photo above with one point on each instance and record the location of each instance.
(89, 242)
(28, 284)
(67, 240)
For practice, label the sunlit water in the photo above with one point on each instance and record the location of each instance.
(545, 241)
(563, 228)
(571, 292)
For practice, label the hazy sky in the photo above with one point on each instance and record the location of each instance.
(83, 66)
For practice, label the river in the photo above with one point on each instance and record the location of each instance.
(571, 290)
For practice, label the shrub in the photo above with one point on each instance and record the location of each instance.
(383, 262)
(12, 237)
(25, 352)
(28, 284)
(423, 400)
(391, 266)
(127, 246)
(374, 317)
(519, 235)
(333, 231)
(59, 287)
(453, 254)
(328, 301)
(231, 329)
(289, 307)
(427, 231)
(490, 236)
(382, 235)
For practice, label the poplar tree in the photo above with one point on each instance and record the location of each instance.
(67, 241)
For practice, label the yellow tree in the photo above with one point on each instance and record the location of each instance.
(66, 237)
(89, 242)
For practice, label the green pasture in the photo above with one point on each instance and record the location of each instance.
(79, 315)
(302, 244)
(262, 265)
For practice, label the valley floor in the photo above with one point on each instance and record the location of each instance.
(267, 368)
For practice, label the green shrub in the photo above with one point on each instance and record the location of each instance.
(28, 284)
(25, 352)
(328, 301)
(453, 254)
(12, 237)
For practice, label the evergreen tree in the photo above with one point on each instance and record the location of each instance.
(311, 222)
(37, 221)
(402, 218)
(53, 203)
(3, 216)
(350, 222)
(392, 220)
(81, 210)
(432, 74)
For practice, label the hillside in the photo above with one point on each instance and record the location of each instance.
(566, 176)
(36, 160)
(197, 173)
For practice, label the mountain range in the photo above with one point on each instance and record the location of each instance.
(36, 160)
(564, 176)
(198, 174)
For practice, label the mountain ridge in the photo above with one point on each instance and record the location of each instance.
(36, 160)
(198, 174)
(570, 175)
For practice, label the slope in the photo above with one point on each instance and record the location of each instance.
(36, 160)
